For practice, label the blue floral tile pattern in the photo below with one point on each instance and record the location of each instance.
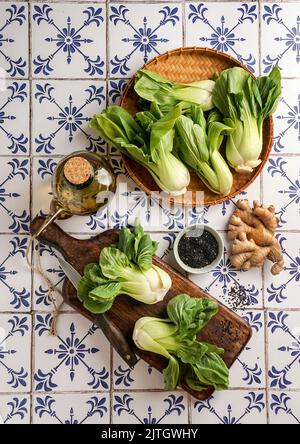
(284, 349)
(66, 40)
(231, 29)
(284, 407)
(15, 281)
(286, 172)
(14, 118)
(281, 38)
(281, 291)
(62, 115)
(235, 407)
(249, 369)
(43, 169)
(76, 359)
(14, 409)
(287, 119)
(14, 195)
(14, 38)
(71, 409)
(15, 343)
(158, 408)
(141, 32)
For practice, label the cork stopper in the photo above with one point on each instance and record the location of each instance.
(77, 170)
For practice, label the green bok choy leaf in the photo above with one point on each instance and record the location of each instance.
(246, 102)
(124, 268)
(175, 338)
(198, 147)
(153, 151)
(152, 87)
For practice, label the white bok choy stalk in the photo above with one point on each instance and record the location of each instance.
(246, 102)
(198, 144)
(152, 87)
(118, 128)
(125, 268)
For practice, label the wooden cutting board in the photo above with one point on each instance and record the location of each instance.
(226, 329)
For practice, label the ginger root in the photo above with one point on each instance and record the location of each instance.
(252, 231)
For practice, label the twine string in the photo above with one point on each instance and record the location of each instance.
(39, 270)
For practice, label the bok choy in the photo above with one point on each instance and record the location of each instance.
(246, 102)
(153, 151)
(152, 87)
(198, 147)
(124, 268)
(174, 338)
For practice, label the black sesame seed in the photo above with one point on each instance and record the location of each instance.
(198, 248)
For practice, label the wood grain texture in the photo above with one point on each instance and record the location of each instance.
(226, 330)
(188, 65)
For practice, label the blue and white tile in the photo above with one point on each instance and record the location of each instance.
(284, 349)
(232, 407)
(224, 278)
(15, 277)
(284, 407)
(14, 39)
(14, 195)
(43, 169)
(140, 32)
(71, 409)
(115, 90)
(61, 114)
(14, 409)
(14, 118)
(282, 188)
(280, 38)
(15, 348)
(219, 214)
(232, 29)
(287, 119)
(150, 408)
(282, 291)
(249, 369)
(69, 40)
(77, 359)
(130, 203)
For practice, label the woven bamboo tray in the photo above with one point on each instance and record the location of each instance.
(188, 65)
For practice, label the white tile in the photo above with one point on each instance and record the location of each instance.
(15, 348)
(71, 409)
(61, 114)
(280, 38)
(142, 376)
(249, 369)
(14, 409)
(13, 39)
(130, 203)
(286, 119)
(15, 276)
(14, 118)
(115, 89)
(284, 407)
(219, 214)
(284, 349)
(77, 359)
(43, 169)
(224, 277)
(282, 291)
(68, 40)
(232, 29)
(281, 188)
(231, 407)
(139, 32)
(150, 408)
(14, 195)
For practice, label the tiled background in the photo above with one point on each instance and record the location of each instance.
(65, 61)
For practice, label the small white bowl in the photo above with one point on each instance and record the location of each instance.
(207, 268)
